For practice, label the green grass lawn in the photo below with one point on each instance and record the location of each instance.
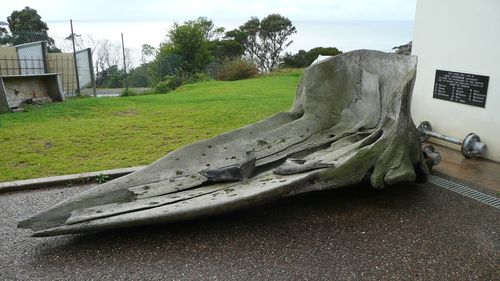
(91, 134)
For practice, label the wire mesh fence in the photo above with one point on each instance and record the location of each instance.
(28, 66)
(64, 65)
(110, 65)
(15, 66)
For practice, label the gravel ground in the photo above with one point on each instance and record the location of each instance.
(406, 232)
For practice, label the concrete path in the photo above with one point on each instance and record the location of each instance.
(407, 232)
(65, 179)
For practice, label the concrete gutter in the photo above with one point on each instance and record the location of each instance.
(66, 179)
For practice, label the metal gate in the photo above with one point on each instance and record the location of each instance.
(84, 64)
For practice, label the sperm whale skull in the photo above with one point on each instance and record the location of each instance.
(350, 122)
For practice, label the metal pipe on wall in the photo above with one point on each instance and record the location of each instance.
(471, 145)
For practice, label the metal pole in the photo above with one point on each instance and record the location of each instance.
(124, 65)
(442, 137)
(159, 62)
(74, 58)
(91, 68)
(44, 57)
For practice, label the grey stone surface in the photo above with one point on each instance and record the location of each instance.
(350, 122)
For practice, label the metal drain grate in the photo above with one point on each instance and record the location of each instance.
(465, 191)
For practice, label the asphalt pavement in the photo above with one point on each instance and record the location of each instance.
(405, 232)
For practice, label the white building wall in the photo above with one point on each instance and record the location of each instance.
(459, 36)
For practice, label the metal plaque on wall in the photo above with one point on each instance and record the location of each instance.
(460, 87)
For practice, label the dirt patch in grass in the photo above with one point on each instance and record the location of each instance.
(127, 112)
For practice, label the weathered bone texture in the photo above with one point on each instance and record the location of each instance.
(350, 122)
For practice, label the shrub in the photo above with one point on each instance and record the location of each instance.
(163, 87)
(171, 82)
(236, 69)
(304, 59)
(198, 77)
(128, 93)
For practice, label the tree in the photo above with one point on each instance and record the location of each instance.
(27, 26)
(230, 46)
(107, 55)
(191, 41)
(164, 63)
(4, 36)
(210, 32)
(108, 62)
(227, 49)
(148, 52)
(139, 76)
(304, 59)
(297, 60)
(250, 31)
(111, 77)
(274, 33)
(265, 40)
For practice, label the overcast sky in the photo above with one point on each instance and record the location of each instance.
(304, 10)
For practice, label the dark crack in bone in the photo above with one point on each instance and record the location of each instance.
(232, 173)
